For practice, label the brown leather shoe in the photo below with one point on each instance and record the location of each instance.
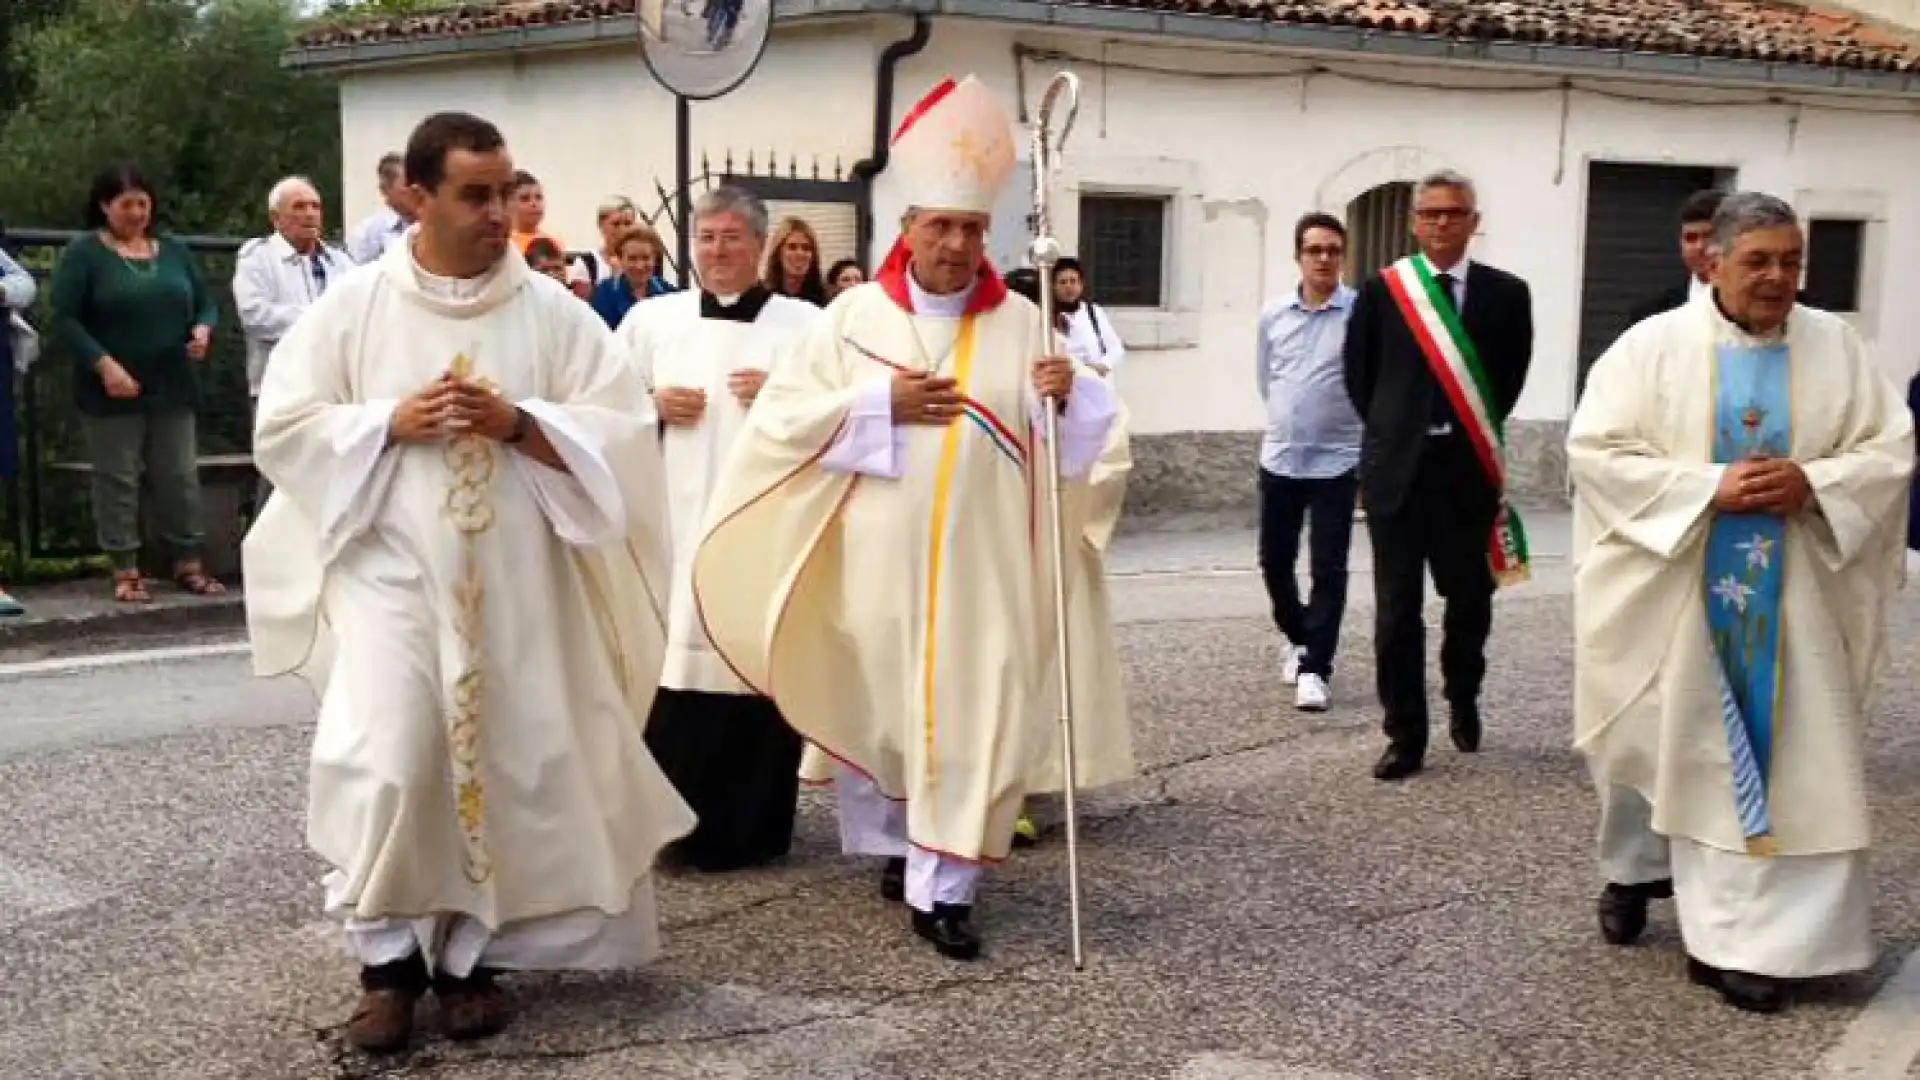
(471, 1008)
(383, 1022)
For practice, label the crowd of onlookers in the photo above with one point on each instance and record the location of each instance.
(132, 309)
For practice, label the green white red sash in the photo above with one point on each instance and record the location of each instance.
(1456, 367)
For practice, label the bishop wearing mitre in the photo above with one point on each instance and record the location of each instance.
(1739, 469)
(461, 554)
(703, 355)
(878, 561)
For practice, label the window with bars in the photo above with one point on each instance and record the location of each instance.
(1378, 223)
(1123, 241)
(1834, 250)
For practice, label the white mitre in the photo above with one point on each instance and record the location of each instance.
(954, 150)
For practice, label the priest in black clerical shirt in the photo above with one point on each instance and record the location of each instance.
(704, 355)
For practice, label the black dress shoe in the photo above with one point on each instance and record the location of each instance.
(1465, 729)
(1623, 909)
(1753, 993)
(893, 880)
(1397, 763)
(950, 930)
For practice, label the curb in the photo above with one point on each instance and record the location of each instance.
(225, 613)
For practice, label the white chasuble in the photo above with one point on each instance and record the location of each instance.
(1648, 685)
(902, 618)
(485, 632)
(674, 347)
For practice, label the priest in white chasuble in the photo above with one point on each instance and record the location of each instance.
(1739, 467)
(703, 355)
(879, 558)
(461, 555)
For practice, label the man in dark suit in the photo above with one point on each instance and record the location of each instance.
(1696, 233)
(1427, 491)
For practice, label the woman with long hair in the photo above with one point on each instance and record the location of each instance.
(136, 315)
(793, 263)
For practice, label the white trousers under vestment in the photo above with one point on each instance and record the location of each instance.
(1788, 917)
(872, 824)
(455, 944)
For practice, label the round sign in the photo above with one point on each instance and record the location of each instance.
(702, 49)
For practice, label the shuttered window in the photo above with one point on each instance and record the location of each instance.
(1123, 248)
(1834, 250)
(1631, 251)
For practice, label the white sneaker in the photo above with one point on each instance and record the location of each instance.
(1312, 695)
(1290, 667)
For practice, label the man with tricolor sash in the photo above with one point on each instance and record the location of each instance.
(878, 554)
(1437, 352)
(1740, 466)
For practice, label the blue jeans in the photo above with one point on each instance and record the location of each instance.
(1325, 509)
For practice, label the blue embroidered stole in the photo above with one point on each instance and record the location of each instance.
(1752, 416)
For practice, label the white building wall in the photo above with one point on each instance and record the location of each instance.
(1242, 157)
(1899, 12)
(593, 123)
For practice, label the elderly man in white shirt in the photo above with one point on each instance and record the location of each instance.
(278, 276)
(18, 345)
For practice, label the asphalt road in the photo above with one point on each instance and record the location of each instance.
(1258, 908)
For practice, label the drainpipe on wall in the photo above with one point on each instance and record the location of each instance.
(867, 168)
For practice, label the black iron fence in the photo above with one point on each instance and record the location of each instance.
(48, 521)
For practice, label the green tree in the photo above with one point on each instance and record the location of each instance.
(16, 21)
(192, 90)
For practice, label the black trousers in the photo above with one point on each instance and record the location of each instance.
(735, 761)
(1444, 524)
(1325, 509)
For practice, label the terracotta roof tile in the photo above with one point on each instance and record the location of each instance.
(1780, 30)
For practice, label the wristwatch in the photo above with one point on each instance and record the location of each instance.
(521, 422)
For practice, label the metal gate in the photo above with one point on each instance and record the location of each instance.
(825, 198)
(1379, 229)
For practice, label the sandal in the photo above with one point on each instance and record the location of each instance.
(130, 588)
(192, 578)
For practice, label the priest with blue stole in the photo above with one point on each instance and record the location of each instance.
(1740, 470)
(878, 554)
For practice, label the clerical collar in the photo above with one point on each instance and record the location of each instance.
(743, 308)
(452, 288)
(950, 306)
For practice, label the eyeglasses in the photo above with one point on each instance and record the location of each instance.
(1316, 251)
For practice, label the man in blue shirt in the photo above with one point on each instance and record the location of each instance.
(1309, 456)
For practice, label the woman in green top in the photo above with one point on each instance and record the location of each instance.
(133, 310)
